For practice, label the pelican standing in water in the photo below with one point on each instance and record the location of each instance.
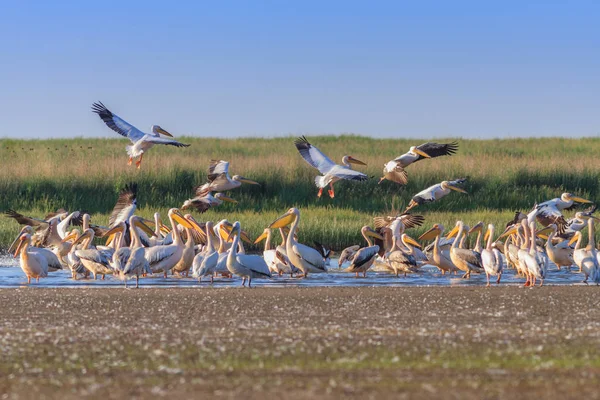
(394, 170)
(436, 192)
(560, 256)
(219, 179)
(439, 257)
(32, 264)
(331, 171)
(464, 259)
(244, 265)
(301, 256)
(586, 258)
(141, 142)
(491, 259)
(365, 257)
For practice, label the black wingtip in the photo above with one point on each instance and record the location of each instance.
(302, 143)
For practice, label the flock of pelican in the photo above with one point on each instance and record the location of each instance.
(132, 248)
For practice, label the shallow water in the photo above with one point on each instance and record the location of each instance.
(12, 276)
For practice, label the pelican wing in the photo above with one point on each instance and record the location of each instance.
(400, 257)
(325, 252)
(94, 255)
(348, 254)
(428, 195)
(470, 256)
(216, 183)
(63, 225)
(437, 149)
(363, 256)
(202, 204)
(550, 214)
(343, 172)
(255, 264)
(117, 124)
(394, 172)
(156, 254)
(165, 141)
(518, 217)
(126, 205)
(51, 215)
(310, 255)
(314, 156)
(23, 220)
(410, 221)
(216, 168)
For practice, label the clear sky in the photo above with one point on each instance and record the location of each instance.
(415, 69)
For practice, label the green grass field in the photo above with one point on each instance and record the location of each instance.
(86, 174)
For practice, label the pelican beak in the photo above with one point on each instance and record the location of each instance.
(430, 234)
(580, 199)
(282, 221)
(142, 225)
(543, 233)
(181, 220)
(422, 153)
(542, 236)
(228, 199)
(487, 235)
(109, 240)
(113, 230)
(21, 241)
(16, 240)
(245, 180)
(508, 232)
(374, 234)
(453, 232)
(165, 229)
(231, 233)
(574, 238)
(353, 160)
(456, 188)
(196, 225)
(71, 236)
(261, 238)
(412, 241)
(163, 132)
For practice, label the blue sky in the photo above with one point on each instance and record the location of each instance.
(265, 68)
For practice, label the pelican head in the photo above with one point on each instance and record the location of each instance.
(176, 216)
(458, 227)
(489, 231)
(286, 219)
(226, 229)
(235, 229)
(240, 178)
(26, 229)
(157, 130)
(415, 150)
(447, 185)
(476, 228)
(568, 197)
(352, 160)
(223, 197)
(436, 230)
(263, 236)
(407, 239)
(368, 231)
(26, 237)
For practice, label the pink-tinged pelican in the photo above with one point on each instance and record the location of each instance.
(204, 201)
(141, 142)
(32, 264)
(331, 171)
(394, 170)
(436, 192)
(244, 265)
(439, 257)
(365, 257)
(219, 179)
(464, 259)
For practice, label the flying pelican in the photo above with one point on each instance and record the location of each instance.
(205, 201)
(491, 259)
(394, 170)
(244, 265)
(464, 259)
(331, 171)
(435, 192)
(141, 142)
(302, 257)
(219, 179)
(33, 264)
(439, 257)
(365, 257)
(550, 212)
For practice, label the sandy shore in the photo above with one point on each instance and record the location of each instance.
(442, 342)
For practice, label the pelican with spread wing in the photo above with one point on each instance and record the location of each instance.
(219, 179)
(331, 171)
(436, 192)
(141, 142)
(204, 201)
(550, 212)
(394, 170)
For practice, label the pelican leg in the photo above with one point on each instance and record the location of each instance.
(364, 274)
(137, 281)
(130, 161)
(28, 279)
(498, 280)
(103, 276)
(138, 163)
(331, 192)
(541, 282)
(487, 277)
(320, 192)
(244, 281)
(165, 273)
(212, 279)
(465, 275)
(125, 280)
(249, 282)
(356, 274)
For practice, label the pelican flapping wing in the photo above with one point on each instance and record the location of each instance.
(409, 220)
(126, 205)
(116, 123)
(437, 149)
(217, 168)
(314, 156)
(24, 220)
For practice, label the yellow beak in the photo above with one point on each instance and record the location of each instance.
(249, 181)
(181, 220)
(282, 221)
(228, 199)
(412, 241)
(456, 189)
(374, 234)
(261, 238)
(21, 241)
(487, 235)
(163, 132)
(580, 199)
(453, 232)
(430, 234)
(422, 153)
(140, 224)
(574, 238)
(509, 232)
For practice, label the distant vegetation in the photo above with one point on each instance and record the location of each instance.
(504, 175)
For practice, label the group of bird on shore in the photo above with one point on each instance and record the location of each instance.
(185, 246)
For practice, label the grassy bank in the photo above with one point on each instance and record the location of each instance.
(504, 175)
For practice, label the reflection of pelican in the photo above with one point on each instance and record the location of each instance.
(331, 171)
(303, 257)
(32, 264)
(244, 265)
(141, 142)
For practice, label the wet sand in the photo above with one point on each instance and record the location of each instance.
(359, 342)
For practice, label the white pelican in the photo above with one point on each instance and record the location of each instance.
(403, 260)
(131, 260)
(187, 257)
(302, 257)
(394, 170)
(32, 264)
(435, 192)
(163, 258)
(491, 259)
(347, 254)
(560, 256)
(578, 222)
(141, 142)
(464, 259)
(275, 261)
(365, 257)
(244, 265)
(478, 227)
(52, 260)
(205, 201)
(94, 260)
(205, 263)
(331, 171)
(439, 257)
(537, 264)
(550, 212)
(586, 258)
(219, 179)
